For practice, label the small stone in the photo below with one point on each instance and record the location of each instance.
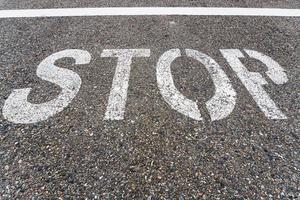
(172, 23)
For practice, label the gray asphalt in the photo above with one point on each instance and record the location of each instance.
(155, 152)
(19, 4)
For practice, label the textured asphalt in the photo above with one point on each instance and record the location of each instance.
(155, 152)
(20, 4)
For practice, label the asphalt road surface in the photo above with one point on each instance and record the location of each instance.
(214, 122)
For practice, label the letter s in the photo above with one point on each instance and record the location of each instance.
(18, 110)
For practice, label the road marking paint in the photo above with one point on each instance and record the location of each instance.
(18, 110)
(223, 101)
(118, 95)
(219, 106)
(149, 11)
(254, 81)
(167, 88)
(275, 72)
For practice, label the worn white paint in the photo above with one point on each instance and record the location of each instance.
(275, 72)
(167, 88)
(118, 95)
(223, 102)
(18, 110)
(254, 81)
(219, 106)
(153, 11)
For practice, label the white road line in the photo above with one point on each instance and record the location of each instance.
(152, 11)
